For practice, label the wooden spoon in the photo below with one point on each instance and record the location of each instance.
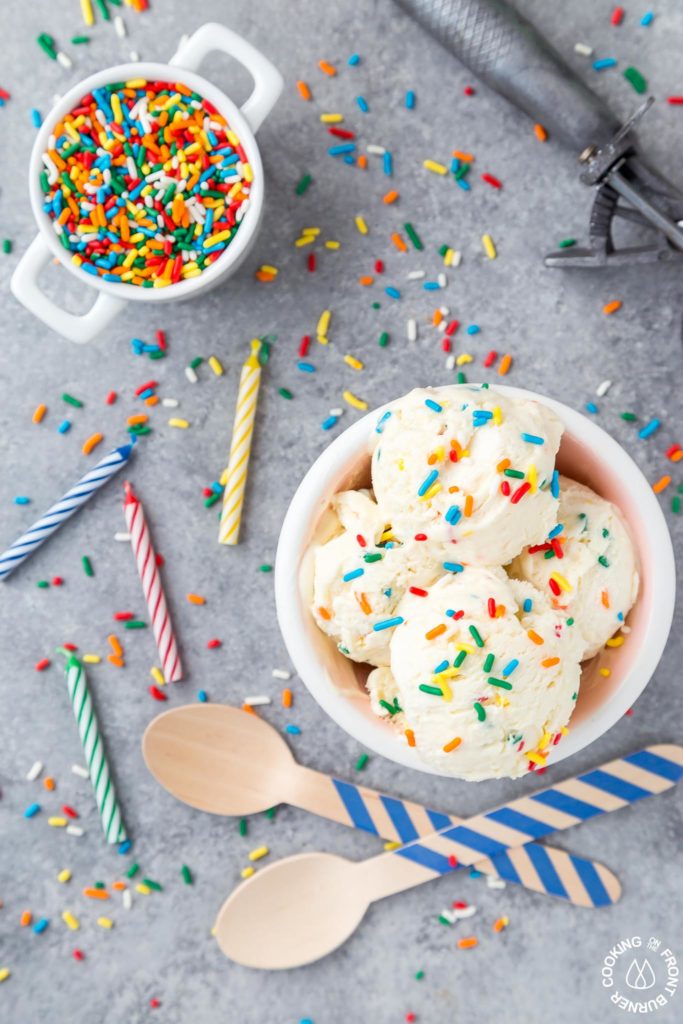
(301, 908)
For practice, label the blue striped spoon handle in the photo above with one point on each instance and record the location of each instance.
(493, 834)
(55, 516)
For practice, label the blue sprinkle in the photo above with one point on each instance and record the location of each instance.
(348, 159)
(36, 118)
(463, 184)
(450, 612)
(431, 286)
(201, 695)
(453, 515)
(528, 604)
(353, 60)
(453, 567)
(388, 623)
(510, 668)
(387, 593)
(427, 482)
(64, 426)
(556, 530)
(362, 104)
(649, 429)
(217, 487)
(293, 730)
(620, 616)
(647, 19)
(381, 421)
(410, 100)
(31, 810)
(21, 499)
(353, 575)
(483, 414)
(441, 667)
(392, 292)
(533, 439)
(431, 404)
(591, 407)
(473, 329)
(388, 164)
(306, 367)
(329, 422)
(606, 62)
(125, 846)
(344, 147)
(555, 484)
(474, 873)
(455, 165)
(40, 926)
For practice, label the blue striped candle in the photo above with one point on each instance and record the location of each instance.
(59, 513)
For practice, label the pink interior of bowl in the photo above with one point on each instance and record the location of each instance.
(576, 460)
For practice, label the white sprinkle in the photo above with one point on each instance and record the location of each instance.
(65, 61)
(443, 325)
(450, 362)
(460, 913)
(603, 388)
(583, 49)
(416, 275)
(494, 882)
(79, 770)
(33, 772)
(120, 26)
(281, 673)
(625, 629)
(411, 329)
(74, 830)
(191, 375)
(448, 915)
(122, 536)
(134, 56)
(444, 310)
(441, 278)
(170, 403)
(337, 412)
(127, 898)
(256, 702)
(375, 150)
(456, 258)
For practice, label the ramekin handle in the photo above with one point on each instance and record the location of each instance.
(24, 285)
(267, 79)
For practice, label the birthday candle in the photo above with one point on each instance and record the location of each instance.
(235, 476)
(145, 558)
(59, 513)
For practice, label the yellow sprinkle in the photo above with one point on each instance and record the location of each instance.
(489, 247)
(391, 845)
(304, 240)
(433, 490)
(64, 876)
(387, 535)
(332, 244)
(465, 647)
(446, 691)
(353, 362)
(331, 118)
(157, 675)
(137, 83)
(532, 478)
(87, 12)
(562, 583)
(181, 424)
(143, 889)
(70, 921)
(216, 366)
(616, 641)
(323, 324)
(448, 257)
(606, 672)
(220, 236)
(536, 758)
(497, 415)
(57, 822)
(259, 852)
(310, 231)
(92, 659)
(463, 358)
(105, 922)
(355, 403)
(4, 973)
(247, 872)
(434, 167)
(361, 225)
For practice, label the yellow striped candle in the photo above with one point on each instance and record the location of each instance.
(235, 476)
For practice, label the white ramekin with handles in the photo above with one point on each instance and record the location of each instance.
(245, 121)
(587, 454)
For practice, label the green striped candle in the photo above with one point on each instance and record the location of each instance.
(93, 748)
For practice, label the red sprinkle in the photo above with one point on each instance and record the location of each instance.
(445, 344)
(361, 540)
(451, 327)
(420, 536)
(520, 492)
(617, 16)
(453, 455)
(311, 262)
(145, 387)
(303, 345)
(458, 615)
(78, 954)
(418, 591)
(70, 647)
(42, 665)
(379, 267)
(675, 101)
(673, 450)
(468, 90)
(554, 586)
(491, 358)
(505, 488)
(538, 547)
(159, 559)
(557, 548)
(453, 860)
(341, 133)
(123, 616)
(460, 905)
(491, 605)
(155, 1003)
(410, 1018)
(111, 398)
(161, 340)
(490, 180)
(69, 811)
(157, 693)
(57, 581)
(213, 643)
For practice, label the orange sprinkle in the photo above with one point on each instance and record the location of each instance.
(39, 413)
(366, 281)
(505, 364)
(410, 736)
(133, 421)
(116, 660)
(437, 631)
(501, 923)
(49, 783)
(534, 637)
(540, 133)
(452, 744)
(675, 456)
(469, 505)
(398, 242)
(390, 197)
(115, 645)
(468, 943)
(437, 317)
(468, 158)
(500, 611)
(328, 68)
(91, 443)
(25, 918)
(611, 307)
(196, 599)
(549, 662)
(362, 161)
(118, 886)
(152, 400)
(604, 597)
(364, 604)
(287, 698)
(248, 707)
(262, 275)
(661, 484)
(503, 465)
(96, 894)
(324, 614)
(304, 91)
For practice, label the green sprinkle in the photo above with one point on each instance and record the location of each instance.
(680, 488)
(302, 184)
(159, 354)
(152, 884)
(265, 568)
(285, 393)
(376, 305)
(375, 557)
(566, 243)
(132, 870)
(264, 352)
(630, 417)
(676, 505)
(186, 874)
(488, 662)
(383, 339)
(436, 690)
(70, 400)
(87, 566)
(570, 622)
(481, 714)
(444, 920)
(361, 762)
(270, 813)
(47, 45)
(393, 709)
(462, 171)
(208, 502)
(461, 378)
(98, 885)
(502, 683)
(79, 40)
(419, 975)
(549, 554)
(104, 10)
(43, 584)
(197, 361)
(413, 236)
(603, 561)
(638, 81)
(135, 624)
(459, 659)
(7, 246)
(516, 474)
(476, 636)
(443, 249)
(243, 826)
(575, 695)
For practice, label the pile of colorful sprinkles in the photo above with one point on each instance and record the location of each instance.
(145, 183)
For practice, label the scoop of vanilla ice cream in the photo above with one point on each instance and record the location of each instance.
(597, 575)
(439, 457)
(485, 691)
(359, 578)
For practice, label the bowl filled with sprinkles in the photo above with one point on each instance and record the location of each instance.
(147, 183)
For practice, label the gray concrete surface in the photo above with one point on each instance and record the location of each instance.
(546, 966)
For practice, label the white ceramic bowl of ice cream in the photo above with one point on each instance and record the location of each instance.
(586, 454)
